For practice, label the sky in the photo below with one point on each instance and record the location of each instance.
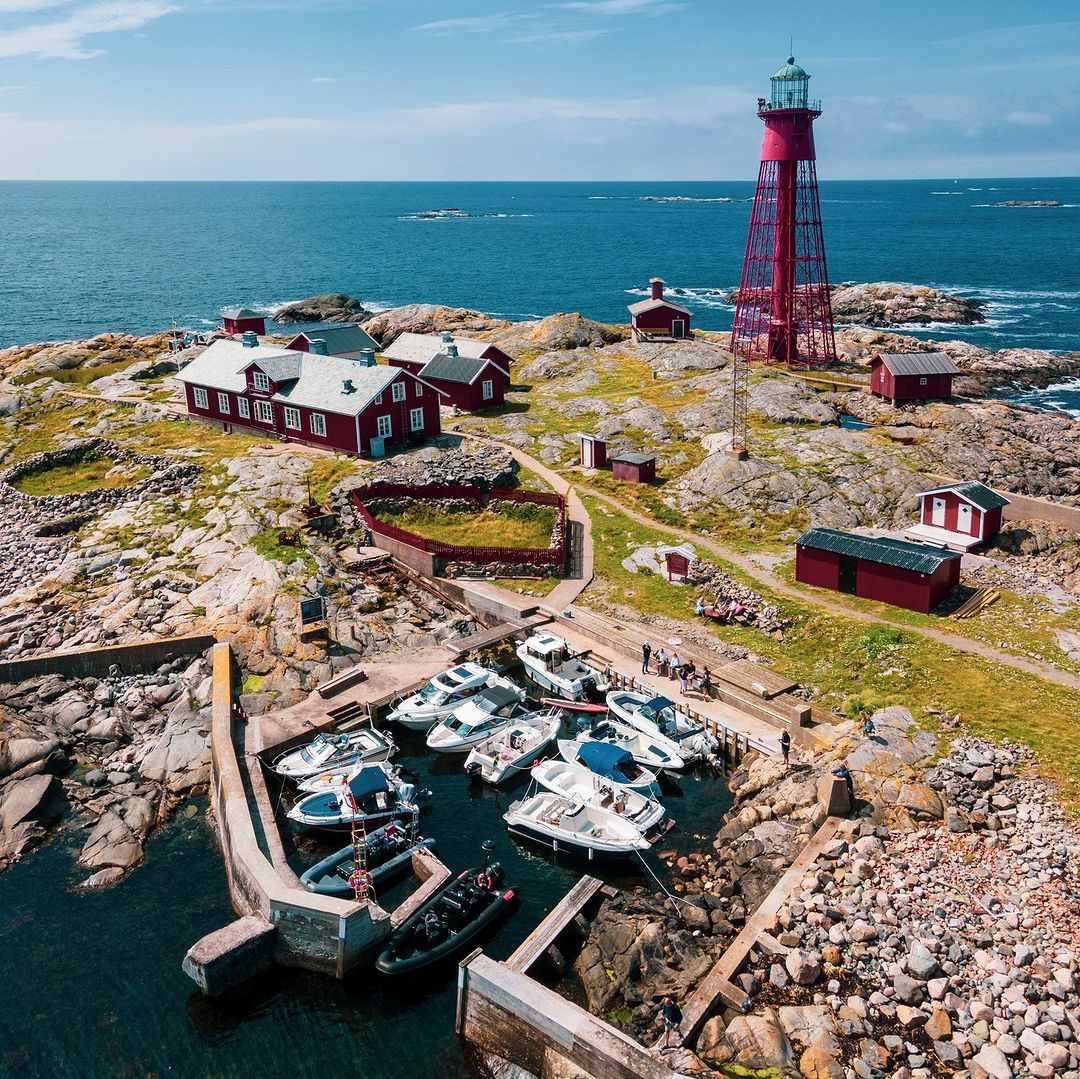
(546, 90)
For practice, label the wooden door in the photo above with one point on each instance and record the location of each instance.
(847, 574)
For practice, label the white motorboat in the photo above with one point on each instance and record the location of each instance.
(515, 748)
(335, 753)
(479, 718)
(442, 695)
(375, 796)
(565, 824)
(581, 784)
(652, 750)
(550, 663)
(612, 763)
(654, 715)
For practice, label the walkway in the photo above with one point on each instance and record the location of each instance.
(771, 580)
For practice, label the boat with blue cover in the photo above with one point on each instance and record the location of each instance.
(611, 762)
(375, 796)
(386, 854)
(655, 715)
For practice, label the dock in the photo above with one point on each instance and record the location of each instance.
(558, 918)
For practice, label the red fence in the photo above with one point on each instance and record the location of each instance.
(552, 555)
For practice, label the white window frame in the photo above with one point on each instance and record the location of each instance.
(416, 419)
(201, 398)
(223, 403)
(385, 426)
(264, 412)
(922, 381)
(260, 381)
(487, 389)
(397, 391)
(292, 418)
(378, 398)
(419, 389)
(243, 407)
(318, 424)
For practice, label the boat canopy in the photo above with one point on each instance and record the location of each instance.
(368, 781)
(496, 697)
(657, 705)
(602, 757)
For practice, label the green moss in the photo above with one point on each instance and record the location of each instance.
(268, 544)
(621, 1016)
(254, 682)
(740, 1071)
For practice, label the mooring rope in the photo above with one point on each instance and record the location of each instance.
(660, 883)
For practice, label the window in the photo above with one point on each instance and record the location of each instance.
(243, 406)
(201, 400)
(419, 389)
(223, 403)
(386, 428)
(416, 419)
(398, 391)
(260, 381)
(486, 390)
(318, 424)
(264, 412)
(378, 398)
(922, 381)
(292, 418)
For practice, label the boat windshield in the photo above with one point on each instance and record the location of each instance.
(319, 751)
(433, 693)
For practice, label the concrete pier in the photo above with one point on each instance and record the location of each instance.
(231, 955)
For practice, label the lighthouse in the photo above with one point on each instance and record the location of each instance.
(783, 312)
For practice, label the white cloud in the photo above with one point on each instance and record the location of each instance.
(64, 38)
(1027, 119)
(476, 24)
(620, 7)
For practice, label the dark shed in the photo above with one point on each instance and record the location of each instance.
(633, 467)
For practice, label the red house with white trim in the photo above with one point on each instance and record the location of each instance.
(344, 340)
(414, 350)
(328, 401)
(243, 320)
(958, 516)
(911, 376)
(657, 319)
(468, 384)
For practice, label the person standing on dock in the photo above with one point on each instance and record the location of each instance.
(671, 1013)
(785, 747)
(646, 651)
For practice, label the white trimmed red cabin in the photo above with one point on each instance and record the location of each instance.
(958, 516)
(911, 376)
(330, 401)
(414, 351)
(657, 319)
(345, 340)
(593, 451)
(470, 385)
(243, 320)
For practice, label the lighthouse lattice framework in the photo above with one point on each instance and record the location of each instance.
(783, 312)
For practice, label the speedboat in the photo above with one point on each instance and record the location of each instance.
(548, 661)
(385, 854)
(514, 748)
(448, 923)
(577, 783)
(442, 695)
(612, 763)
(478, 719)
(373, 797)
(652, 750)
(566, 824)
(335, 753)
(657, 715)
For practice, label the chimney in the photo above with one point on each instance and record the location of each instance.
(657, 288)
(447, 337)
(347, 386)
(250, 339)
(367, 357)
(317, 346)
(451, 350)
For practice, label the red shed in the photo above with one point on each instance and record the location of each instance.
(241, 319)
(633, 467)
(657, 319)
(911, 376)
(958, 515)
(894, 571)
(593, 451)
(469, 384)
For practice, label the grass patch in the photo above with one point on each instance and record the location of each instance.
(622, 1016)
(511, 524)
(213, 445)
(78, 376)
(268, 544)
(538, 586)
(326, 473)
(81, 476)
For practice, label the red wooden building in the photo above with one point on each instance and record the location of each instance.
(593, 451)
(325, 401)
(633, 467)
(470, 385)
(657, 319)
(414, 350)
(911, 376)
(958, 515)
(894, 571)
(243, 320)
(345, 340)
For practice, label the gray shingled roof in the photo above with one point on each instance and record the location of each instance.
(339, 339)
(421, 347)
(975, 492)
(222, 365)
(633, 458)
(322, 380)
(454, 368)
(283, 367)
(889, 552)
(240, 312)
(919, 363)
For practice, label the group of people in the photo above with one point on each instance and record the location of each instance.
(723, 608)
(671, 666)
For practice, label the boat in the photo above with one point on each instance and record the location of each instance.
(448, 923)
(652, 750)
(578, 783)
(515, 748)
(588, 707)
(652, 714)
(548, 661)
(387, 853)
(421, 710)
(478, 719)
(335, 752)
(611, 762)
(373, 797)
(567, 824)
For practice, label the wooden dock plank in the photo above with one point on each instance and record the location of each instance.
(557, 919)
(752, 676)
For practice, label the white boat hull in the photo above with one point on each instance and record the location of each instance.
(563, 826)
(493, 760)
(576, 782)
(693, 741)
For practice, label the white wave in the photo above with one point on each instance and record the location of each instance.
(688, 198)
(699, 296)
(946, 192)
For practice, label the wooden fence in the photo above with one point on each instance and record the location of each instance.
(552, 555)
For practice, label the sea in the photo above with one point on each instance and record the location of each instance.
(80, 258)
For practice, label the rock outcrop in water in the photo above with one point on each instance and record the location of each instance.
(330, 307)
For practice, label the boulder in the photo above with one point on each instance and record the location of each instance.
(430, 318)
(39, 798)
(817, 1063)
(803, 966)
(810, 1026)
(330, 307)
(920, 963)
(118, 837)
(759, 1041)
(991, 1061)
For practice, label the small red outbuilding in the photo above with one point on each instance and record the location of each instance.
(894, 571)
(657, 319)
(958, 515)
(243, 320)
(633, 467)
(911, 376)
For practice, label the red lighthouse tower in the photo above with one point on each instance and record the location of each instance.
(783, 311)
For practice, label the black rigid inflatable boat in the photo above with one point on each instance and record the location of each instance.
(448, 923)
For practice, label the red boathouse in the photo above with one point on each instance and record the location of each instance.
(243, 320)
(904, 574)
(657, 319)
(958, 515)
(911, 376)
